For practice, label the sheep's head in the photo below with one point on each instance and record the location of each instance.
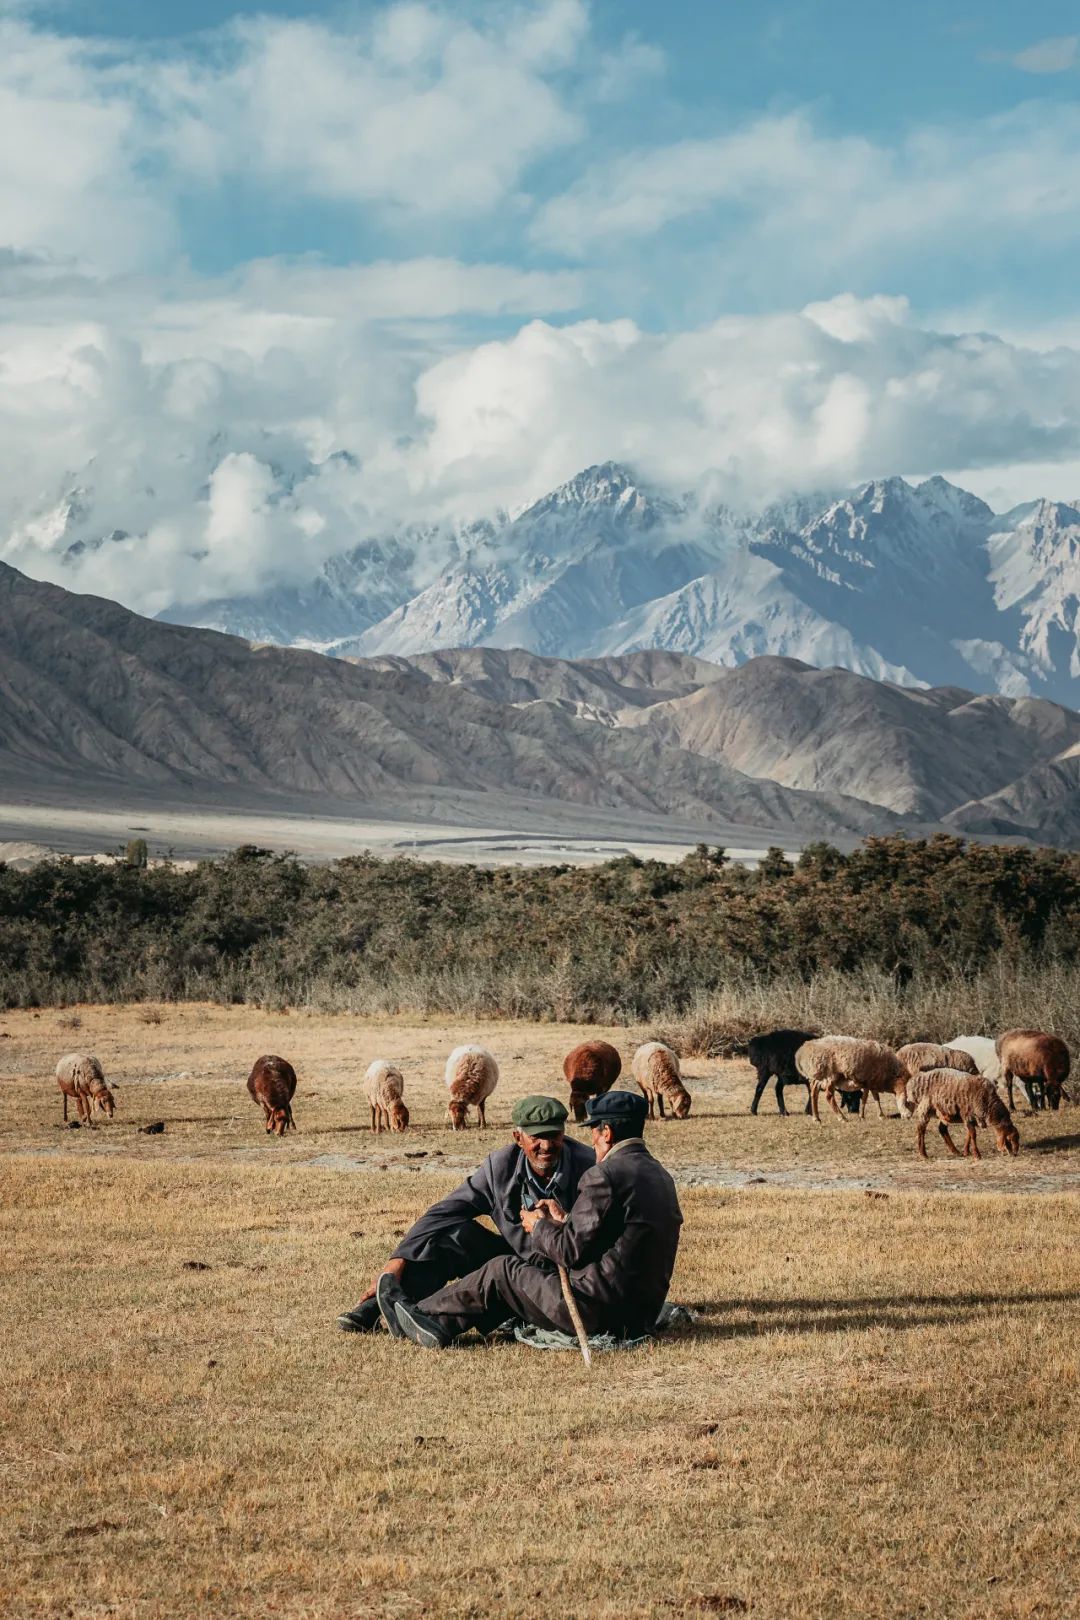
(1008, 1137)
(458, 1112)
(278, 1121)
(681, 1105)
(105, 1100)
(399, 1116)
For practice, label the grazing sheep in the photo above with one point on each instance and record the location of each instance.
(471, 1076)
(1040, 1062)
(921, 1055)
(847, 1063)
(590, 1069)
(960, 1099)
(384, 1085)
(272, 1082)
(656, 1070)
(774, 1054)
(80, 1076)
(984, 1052)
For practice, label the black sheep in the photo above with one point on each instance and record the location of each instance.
(774, 1054)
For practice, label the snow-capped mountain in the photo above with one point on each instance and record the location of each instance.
(918, 584)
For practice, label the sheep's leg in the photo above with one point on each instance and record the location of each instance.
(763, 1080)
(481, 1109)
(863, 1095)
(881, 1111)
(947, 1139)
(814, 1090)
(371, 1107)
(1009, 1090)
(920, 1146)
(971, 1145)
(64, 1096)
(830, 1098)
(660, 1103)
(806, 1083)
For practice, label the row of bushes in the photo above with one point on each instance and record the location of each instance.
(627, 941)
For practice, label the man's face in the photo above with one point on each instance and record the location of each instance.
(601, 1141)
(542, 1152)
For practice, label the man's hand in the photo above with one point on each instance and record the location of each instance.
(393, 1268)
(553, 1209)
(529, 1217)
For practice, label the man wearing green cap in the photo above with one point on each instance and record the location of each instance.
(541, 1163)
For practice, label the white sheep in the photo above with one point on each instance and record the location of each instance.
(80, 1076)
(656, 1070)
(384, 1084)
(984, 1051)
(471, 1076)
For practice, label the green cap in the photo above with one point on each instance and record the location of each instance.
(539, 1116)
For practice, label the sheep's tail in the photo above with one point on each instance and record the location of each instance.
(575, 1315)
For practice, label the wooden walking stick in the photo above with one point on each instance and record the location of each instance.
(575, 1315)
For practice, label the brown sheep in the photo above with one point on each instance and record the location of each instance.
(80, 1076)
(656, 1070)
(272, 1082)
(848, 1063)
(590, 1069)
(960, 1099)
(384, 1084)
(928, 1055)
(1040, 1062)
(471, 1076)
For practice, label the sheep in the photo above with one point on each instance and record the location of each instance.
(80, 1076)
(960, 1099)
(847, 1063)
(384, 1084)
(1039, 1061)
(984, 1052)
(774, 1054)
(590, 1069)
(272, 1082)
(656, 1070)
(471, 1076)
(921, 1055)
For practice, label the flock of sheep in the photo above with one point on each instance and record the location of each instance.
(954, 1084)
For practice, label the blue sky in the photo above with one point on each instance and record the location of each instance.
(476, 246)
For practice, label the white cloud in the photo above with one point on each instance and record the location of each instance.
(1048, 55)
(421, 110)
(246, 451)
(794, 199)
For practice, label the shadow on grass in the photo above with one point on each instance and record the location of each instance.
(1052, 1144)
(840, 1316)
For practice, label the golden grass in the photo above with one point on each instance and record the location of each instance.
(877, 1414)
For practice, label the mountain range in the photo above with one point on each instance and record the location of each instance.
(95, 699)
(919, 585)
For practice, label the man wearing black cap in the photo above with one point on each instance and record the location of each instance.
(542, 1163)
(618, 1243)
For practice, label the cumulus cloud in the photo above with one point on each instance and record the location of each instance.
(182, 469)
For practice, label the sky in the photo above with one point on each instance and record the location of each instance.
(275, 280)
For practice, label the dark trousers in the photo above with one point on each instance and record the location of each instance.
(452, 1254)
(504, 1286)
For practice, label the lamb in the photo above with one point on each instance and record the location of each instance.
(774, 1054)
(80, 1076)
(590, 1069)
(1040, 1062)
(272, 1082)
(921, 1055)
(471, 1076)
(384, 1085)
(960, 1099)
(847, 1063)
(656, 1070)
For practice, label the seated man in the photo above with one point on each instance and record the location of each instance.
(618, 1243)
(447, 1242)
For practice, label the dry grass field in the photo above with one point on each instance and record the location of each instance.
(877, 1413)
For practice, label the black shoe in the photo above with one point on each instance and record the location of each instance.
(364, 1318)
(422, 1330)
(387, 1293)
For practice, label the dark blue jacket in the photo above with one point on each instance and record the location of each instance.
(493, 1189)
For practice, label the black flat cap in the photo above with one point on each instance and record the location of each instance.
(617, 1107)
